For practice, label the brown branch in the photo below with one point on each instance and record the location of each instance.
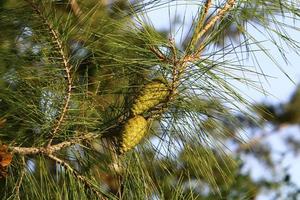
(75, 8)
(67, 100)
(27, 150)
(78, 176)
(53, 148)
(220, 14)
(66, 65)
(207, 6)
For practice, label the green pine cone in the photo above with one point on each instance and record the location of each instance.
(150, 96)
(133, 132)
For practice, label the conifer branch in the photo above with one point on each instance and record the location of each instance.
(220, 14)
(62, 145)
(196, 36)
(67, 67)
(78, 176)
(179, 65)
(53, 148)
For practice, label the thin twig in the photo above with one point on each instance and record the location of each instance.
(19, 183)
(175, 63)
(196, 36)
(78, 176)
(158, 54)
(66, 64)
(220, 14)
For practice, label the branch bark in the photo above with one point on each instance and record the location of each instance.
(53, 148)
(75, 8)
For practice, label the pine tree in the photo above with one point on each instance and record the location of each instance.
(97, 104)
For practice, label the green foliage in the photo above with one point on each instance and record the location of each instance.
(78, 80)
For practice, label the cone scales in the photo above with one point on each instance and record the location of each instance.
(150, 96)
(133, 132)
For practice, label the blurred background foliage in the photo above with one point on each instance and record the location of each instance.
(194, 150)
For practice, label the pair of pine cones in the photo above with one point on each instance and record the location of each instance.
(135, 129)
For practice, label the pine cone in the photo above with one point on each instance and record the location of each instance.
(132, 133)
(150, 96)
